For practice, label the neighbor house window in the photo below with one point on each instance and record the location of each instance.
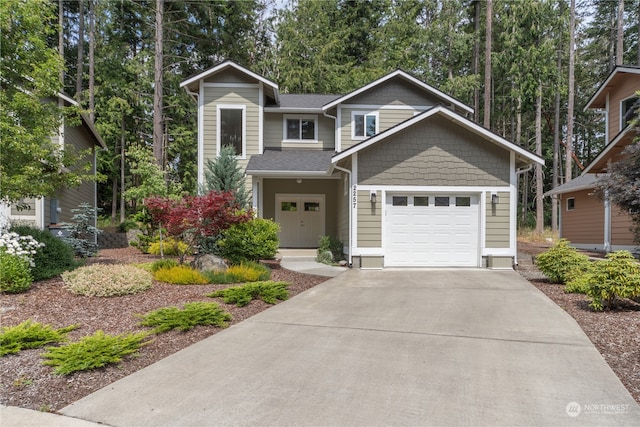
(571, 204)
(364, 125)
(301, 128)
(231, 128)
(628, 110)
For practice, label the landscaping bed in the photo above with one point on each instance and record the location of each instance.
(615, 333)
(26, 383)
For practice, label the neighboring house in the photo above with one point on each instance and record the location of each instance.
(48, 212)
(395, 169)
(587, 219)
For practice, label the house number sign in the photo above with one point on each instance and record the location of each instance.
(354, 196)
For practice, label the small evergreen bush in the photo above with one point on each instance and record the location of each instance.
(329, 250)
(249, 241)
(617, 276)
(192, 315)
(170, 247)
(82, 231)
(245, 272)
(15, 273)
(561, 262)
(268, 292)
(30, 334)
(94, 351)
(100, 280)
(180, 275)
(54, 258)
(164, 263)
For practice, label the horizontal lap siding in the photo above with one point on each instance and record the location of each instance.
(623, 90)
(497, 221)
(369, 221)
(387, 118)
(584, 224)
(621, 228)
(274, 133)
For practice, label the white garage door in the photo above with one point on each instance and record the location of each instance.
(431, 230)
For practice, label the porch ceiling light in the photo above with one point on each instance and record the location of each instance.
(299, 180)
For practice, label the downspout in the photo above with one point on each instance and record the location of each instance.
(350, 213)
(607, 222)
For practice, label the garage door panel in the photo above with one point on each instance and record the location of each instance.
(430, 235)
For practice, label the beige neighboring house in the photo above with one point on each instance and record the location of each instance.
(587, 219)
(48, 212)
(395, 169)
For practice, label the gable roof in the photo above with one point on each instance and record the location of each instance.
(300, 103)
(586, 181)
(599, 99)
(525, 155)
(230, 64)
(86, 121)
(401, 74)
(612, 150)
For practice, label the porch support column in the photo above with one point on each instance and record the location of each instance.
(255, 199)
(607, 222)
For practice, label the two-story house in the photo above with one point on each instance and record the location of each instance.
(395, 169)
(587, 219)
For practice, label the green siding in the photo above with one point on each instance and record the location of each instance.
(437, 152)
(396, 91)
(274, 134)
(387, 118)
(497, 221)
(369, 221)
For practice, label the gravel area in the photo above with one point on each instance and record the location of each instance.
(26, 383)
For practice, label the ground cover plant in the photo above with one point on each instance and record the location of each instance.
(180, 275)
(92, 352)
(29, 334)
(268, 292)
(101, 280)
(191, 315)
(245, 272)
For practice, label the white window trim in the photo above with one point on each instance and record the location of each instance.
(313, 117)
(365, 114)
(574, 204)
(244, 127)
(622, 102)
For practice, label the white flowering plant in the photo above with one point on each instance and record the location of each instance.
(24, 247)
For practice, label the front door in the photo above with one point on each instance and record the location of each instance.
(301, 219)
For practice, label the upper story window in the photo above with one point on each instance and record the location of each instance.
(301, 128)
(363, 124)
(628, 109)
(231, 128)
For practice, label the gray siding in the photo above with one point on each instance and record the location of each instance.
(386, 117)
(437, 152)
(27, 208)
(274, 133)
(230, 75)
(369, 221)
(395, 92)
(497, 221)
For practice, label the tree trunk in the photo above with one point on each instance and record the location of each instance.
(539, 181)
(620, 34)
(476, 60)
(487, 67)
(92, 45)
(571, 100)
(556, 131)
(80, 62)
(158, 89)
(638, 43)
(123, 206)
(61, 38)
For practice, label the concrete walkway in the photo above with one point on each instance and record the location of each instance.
(304, 261)
(393, 347)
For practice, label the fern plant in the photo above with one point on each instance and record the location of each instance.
(29, 334)
(94, 351)
(192, 315)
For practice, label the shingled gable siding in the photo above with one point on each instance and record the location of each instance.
(230, 75)
(497, 233)
(369, 221)
(434, 152)
(386, 119)
(274, 134)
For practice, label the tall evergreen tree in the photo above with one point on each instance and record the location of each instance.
(224, 174)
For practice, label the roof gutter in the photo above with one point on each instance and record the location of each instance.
(348, 172)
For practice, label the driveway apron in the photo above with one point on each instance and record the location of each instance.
(442, 347)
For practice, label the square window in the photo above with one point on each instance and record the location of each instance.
(421, 201)
(293, 129)
(442, 201)
(300, 128)
(364, 124)
(311, 207)
(463, 201)
(288, 206)
(399, 200)
(571, 204)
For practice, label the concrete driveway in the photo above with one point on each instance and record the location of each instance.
(393, 347)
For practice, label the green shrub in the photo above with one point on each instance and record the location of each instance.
(249, 241)
(163, 263)
(15, 273)
(193, 314)
(180, 275)
(329, 250)
(127, 225)
(617, 276)
(245, 272)
(81, 231)
(30, 334)
(562, 262)
(268, 292)
(94, 351)
(100, 280)
(170, 247)
(54, 258)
